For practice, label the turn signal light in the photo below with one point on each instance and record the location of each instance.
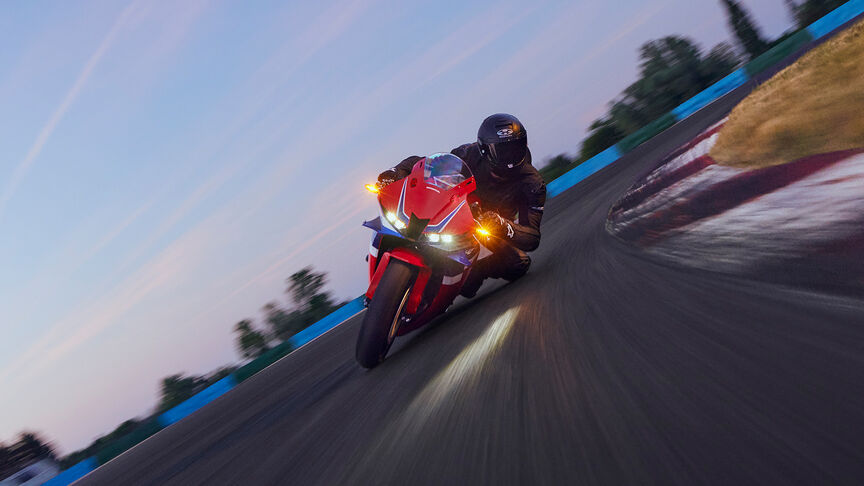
(373, 188)
(482, 231)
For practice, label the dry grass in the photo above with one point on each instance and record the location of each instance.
(814, 106)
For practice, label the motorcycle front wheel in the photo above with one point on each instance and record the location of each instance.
(381, 321)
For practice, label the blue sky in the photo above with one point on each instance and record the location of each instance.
(165, 165)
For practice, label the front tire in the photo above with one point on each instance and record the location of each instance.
(381, 321)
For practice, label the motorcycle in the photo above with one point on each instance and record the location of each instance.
(426, 240)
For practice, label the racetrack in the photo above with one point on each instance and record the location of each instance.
(601, 366)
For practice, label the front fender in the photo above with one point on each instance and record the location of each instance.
(413, 258)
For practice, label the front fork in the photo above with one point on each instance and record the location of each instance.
(379, 263)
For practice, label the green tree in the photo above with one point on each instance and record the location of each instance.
(34, 445)
(5, 460)
(603, 134)
(304, 284)
(29, 447)
(721, 61)
(810, 11)
(672, 70)
(306, 290)
(178, 388)
(220, 373)
(792, 6)
(250, 341)
(556, 166)
(745, 29)
(282, 324)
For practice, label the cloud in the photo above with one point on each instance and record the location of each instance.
(254, 98)
(71, 95)
(87, 321)
(164, 270)
(560, 83)
(62, 337)
(242, 169)
(309, 242)
(447, 54)
(98, 233)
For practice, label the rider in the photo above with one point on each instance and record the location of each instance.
(511, 194)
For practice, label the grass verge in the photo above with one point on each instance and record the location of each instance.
(814, 106)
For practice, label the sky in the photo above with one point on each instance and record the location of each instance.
(164, 165)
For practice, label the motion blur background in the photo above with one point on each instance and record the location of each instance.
(164, 166)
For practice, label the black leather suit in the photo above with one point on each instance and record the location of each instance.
(519, 199)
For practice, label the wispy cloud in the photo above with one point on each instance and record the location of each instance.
(310, 241)
(71, 95)
(564, 78)
(248, 127)
(73, 256)
(425, 68)
(157, 273)
(250, 132)
(88, 320)
(172, 263)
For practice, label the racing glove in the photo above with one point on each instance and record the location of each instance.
(495, 224)
(387, 177)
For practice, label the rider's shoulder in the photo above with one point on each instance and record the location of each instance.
(530, 172)
(466, 151)
(532, 182)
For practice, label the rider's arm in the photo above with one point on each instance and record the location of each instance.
(462, 151)
(401, 170)
(526, 232)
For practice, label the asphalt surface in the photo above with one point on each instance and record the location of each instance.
(601, 366)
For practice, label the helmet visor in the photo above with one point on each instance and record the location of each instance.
(509, 154)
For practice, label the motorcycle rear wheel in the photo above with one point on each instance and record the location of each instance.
(382, 318)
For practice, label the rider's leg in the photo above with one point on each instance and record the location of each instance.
(506, 261)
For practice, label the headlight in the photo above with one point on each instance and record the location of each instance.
(397, 223)
(440, 238)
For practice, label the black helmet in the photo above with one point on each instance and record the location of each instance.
(503, 143)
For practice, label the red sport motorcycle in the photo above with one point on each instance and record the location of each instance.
(425, 241)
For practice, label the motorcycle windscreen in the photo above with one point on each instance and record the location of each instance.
(429, 189)
(445, 171)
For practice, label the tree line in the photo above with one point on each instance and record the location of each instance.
(674, 69)
(809, 11)
(308, 301)
(27, 449)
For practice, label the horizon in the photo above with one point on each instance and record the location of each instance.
(188, 173)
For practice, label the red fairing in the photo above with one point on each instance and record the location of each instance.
(429, 202)
(376, 275)
(446, 295)
(448, 212)
(389, 196)
(415, 260)
(373, 262)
